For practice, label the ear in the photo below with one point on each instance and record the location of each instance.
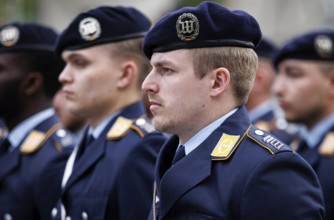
(259, 81)
(220, 80)
(128, 75)
(33, 83)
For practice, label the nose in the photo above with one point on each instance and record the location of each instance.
(64, 76)
(278, 86)
(149, 85)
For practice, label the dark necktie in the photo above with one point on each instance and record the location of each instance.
(89, 139)
(4, 146)
(180, 153)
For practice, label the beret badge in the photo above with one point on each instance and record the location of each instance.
(89, 29)
(187, 27)
(9, 36)
(323, 46)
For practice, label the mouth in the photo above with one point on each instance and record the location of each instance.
(154, 105)
(67, 93)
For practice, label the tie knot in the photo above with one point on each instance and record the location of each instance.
(180, 153)
(4, 146)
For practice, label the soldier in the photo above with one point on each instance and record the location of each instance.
(218, 165)
(261, 105)
(305, 90)
(34, 152)
(110, 174)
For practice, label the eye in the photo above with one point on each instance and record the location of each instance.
(164, 70)
(79, 63)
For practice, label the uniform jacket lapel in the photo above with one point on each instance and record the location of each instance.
(97, 150)
(175, 181)
(8, 163)
(89, 158)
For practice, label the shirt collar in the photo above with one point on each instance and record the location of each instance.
(200, 136)
(314, 136)
(260, 110)
(96, 132)
(17, 135)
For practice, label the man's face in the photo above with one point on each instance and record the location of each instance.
(11, 76)
(302, 91)
(176, 95)
(89, 81)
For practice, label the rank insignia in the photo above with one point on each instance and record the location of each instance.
(89, 29)
(225, 146)
(327, 146)
(33, 142)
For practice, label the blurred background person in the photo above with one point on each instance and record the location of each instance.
(73, 122)
(305, 91)
(35, 150)
(261, 104)
(110, 173)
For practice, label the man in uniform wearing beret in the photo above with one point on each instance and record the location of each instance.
(262, 108)
(110, 174)
(305, 90)
(34, 152)
(203, 69)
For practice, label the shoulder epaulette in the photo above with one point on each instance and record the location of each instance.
(327, 146)
(123, 125)
(35, 139)
(267, 140)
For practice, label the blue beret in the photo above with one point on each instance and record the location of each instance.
(207, 25)
(266, 49)
(30, 36)
(317, 45)
(103, 25)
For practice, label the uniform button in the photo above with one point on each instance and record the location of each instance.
(8, 216)
(259, 132)
(54, 212)
(84, 216)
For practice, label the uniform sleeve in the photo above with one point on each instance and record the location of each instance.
(137, 187)
(283, 186)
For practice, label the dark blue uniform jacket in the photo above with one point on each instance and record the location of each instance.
(30, 175)
(257, 178)
(113, 178)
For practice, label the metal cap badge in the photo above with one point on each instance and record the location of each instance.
(9, 36)
(324, 46)
(187, 27)
(89, 29)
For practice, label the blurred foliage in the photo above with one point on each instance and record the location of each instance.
(18, 10)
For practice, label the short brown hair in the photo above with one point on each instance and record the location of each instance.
(241, 62)
(132, 49)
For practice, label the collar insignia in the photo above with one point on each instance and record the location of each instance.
(33, 142)
(120, 128)
(327, 146)
(225, 146)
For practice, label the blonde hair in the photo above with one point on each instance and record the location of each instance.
(241, 62)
